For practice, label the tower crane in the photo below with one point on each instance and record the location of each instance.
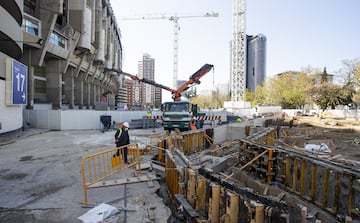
(175, 20)
(238, 76)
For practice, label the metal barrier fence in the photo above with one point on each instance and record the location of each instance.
(101, 165)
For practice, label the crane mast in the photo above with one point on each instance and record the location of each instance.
(238, 75)
(176, 45)
(175, 20)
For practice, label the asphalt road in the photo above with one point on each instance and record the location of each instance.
(40, 179)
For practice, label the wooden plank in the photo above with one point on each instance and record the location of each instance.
(280, 196)
(121, 181)
(189, 211)
(144, 166)
(266, 190)
(335, 157)
(150, 183)
(253, 160)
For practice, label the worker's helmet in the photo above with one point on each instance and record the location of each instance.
(126, 124)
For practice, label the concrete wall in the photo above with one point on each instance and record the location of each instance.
(10, 116)
(44, 118)
(339, 113)
(235, 130)
(11, 16)
(75, 119)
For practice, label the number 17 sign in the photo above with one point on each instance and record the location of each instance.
(19, 75)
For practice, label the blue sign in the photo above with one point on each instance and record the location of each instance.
(19, 82)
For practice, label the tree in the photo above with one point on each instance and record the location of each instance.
(215, 100)
(351, 74)
(257, 97)
(290, 90)
(356, 94)
(327, 95)
(324, 77)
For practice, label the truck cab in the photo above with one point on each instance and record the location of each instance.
(178, 114)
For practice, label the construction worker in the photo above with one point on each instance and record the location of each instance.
(148, 114)
(193, 124)
(122, 138)
(239, 120)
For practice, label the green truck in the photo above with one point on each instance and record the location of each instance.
(178, 114)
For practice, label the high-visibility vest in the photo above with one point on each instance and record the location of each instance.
(148, 115)
(193, 125)
(120, 132)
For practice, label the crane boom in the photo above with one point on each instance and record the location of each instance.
(176, 94)
(194, 79)
(171, 18)
(174, 19)
(151, 82)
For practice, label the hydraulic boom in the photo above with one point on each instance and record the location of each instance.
(176, 94)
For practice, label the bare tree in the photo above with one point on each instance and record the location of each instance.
(351, 78)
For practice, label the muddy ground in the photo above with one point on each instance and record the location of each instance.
(340, 135)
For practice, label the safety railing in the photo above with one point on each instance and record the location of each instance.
(99, 166)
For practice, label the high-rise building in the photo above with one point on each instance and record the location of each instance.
(256, 61)
(158, 97)
(146, 95)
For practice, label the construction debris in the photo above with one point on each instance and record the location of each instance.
(98, 213)
(323, 148)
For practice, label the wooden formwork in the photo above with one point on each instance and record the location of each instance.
(332, 187)
(206, 197)
(210, 196)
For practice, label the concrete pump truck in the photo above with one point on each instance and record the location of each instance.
(177, 113)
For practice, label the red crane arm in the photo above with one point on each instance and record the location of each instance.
(193, 79)
(157, 85)
(176, 94)
(151, 82)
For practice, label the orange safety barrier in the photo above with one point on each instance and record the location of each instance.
(99, 166)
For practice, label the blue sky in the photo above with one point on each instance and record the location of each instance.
(300, 33)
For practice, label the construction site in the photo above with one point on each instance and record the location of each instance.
(256, 171)
(59, 162)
